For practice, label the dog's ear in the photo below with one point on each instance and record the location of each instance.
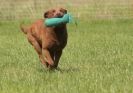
(64, 10)
(46, 14)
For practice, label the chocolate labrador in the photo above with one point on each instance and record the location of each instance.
(48, 42)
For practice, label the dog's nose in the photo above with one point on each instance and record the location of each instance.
(59, 14)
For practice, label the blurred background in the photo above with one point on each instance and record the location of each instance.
(90, 9)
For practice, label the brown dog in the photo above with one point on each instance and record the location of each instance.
(48, 41)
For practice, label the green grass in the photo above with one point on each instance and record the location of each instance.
(97, 59)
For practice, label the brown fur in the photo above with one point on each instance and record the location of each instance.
(48, 42)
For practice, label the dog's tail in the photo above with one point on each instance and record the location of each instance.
(23, 28)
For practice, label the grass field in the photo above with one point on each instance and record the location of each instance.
(97, 59)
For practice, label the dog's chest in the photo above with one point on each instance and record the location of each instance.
(56, 39)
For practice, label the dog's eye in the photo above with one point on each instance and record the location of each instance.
(63, 11)
(53, 11)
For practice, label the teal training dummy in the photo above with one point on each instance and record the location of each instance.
(57, 21)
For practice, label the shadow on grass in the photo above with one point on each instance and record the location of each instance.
(61, 70)
(67, 70)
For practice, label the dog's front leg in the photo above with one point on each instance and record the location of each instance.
(47, 57)
(57, 58)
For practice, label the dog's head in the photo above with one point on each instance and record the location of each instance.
(55, 13)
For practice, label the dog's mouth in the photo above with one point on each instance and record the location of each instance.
(60, 16)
